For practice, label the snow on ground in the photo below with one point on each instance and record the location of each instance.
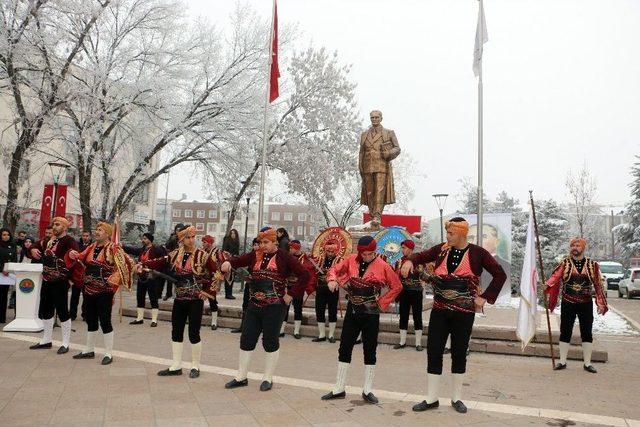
(609, 324)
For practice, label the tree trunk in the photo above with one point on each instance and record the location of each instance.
(238, 197)
(11, 214)
(84, 191)
(106, 188)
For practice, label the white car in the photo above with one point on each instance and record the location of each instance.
(612, 273)
(629, 286)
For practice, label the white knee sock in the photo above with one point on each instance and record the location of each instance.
(321, 330)
(564, 352)
(369, 372)
(403, 336)
(243, 364)
(418, 337)
(140, 313)
(332, 329)
(214, 318)
(282, 327)
(176, 350)
(587, 349)
(108, 344)
(154, 315)
(433, 387)
(47, 332)
(91, 342)
(341, 377)
(66, 332)
(270, 363)
(296, 326)
(196, 354)
(456, 392)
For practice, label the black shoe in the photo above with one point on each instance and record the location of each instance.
(236, 330)
(331, 396)
(419, 348)
(154, 324)
(370, 398)
(323, 339)
(136, 322)
(332, 340)
(235, 383)
(89, 355)
(169, 373)
(423, 406)
(560, 366)
(297, 336)
(214, 327)
(358, 342)
(229, 297)
(39, 346)
(281, 335)
(266, 386)
(399, 346)
(590, 368)
(194, 373)
(107, 360)
(459, 407)
(63, 350)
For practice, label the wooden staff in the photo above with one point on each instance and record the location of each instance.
(546, 299)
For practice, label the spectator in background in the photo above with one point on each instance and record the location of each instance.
(230, 244)
(8, 253)
(283, 239)
(22, 235)
(85, 240)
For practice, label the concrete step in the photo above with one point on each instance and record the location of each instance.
(484, 339)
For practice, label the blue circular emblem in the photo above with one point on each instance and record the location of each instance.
(26, 286)
(389, 241)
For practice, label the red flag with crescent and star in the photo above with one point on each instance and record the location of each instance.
(275, 70)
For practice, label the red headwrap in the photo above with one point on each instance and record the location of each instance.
(409, 244)
(295, 245)
(367, 244)
(208, 239)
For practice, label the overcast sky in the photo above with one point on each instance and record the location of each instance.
(561, 86)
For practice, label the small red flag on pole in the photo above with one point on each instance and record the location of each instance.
(275, 70)
(115, 236)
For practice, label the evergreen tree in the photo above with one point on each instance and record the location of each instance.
(628, 234)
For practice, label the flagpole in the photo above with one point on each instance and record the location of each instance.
(479, 221)
(265, 138)
(546, 301)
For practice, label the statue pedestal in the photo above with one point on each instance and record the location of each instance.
(28, 283)
(358, 232)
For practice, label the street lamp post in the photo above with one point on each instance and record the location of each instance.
(60, 167)
(441, 199)
(246, 225)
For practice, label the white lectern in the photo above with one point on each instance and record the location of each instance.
(28, 284)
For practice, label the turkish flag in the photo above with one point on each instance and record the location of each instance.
(61, 203)
(275, 70)
(45, 209)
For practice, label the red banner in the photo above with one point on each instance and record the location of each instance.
(411, 223)
(45, 209)
(61, 203)
(275, 70)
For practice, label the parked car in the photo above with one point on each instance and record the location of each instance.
(612, 273)
(629, 286)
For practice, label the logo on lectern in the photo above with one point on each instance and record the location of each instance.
(26, 286)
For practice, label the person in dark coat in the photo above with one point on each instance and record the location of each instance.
(171, 245)
(230, 244)
(8, 253)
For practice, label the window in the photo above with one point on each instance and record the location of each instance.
(188, 213)
(70, 178)
(288, 216)
(199, 226)
(300, 231)
(302, 217)
(199, 214)
(213, 214)
(176, 213)
(275, 216)
(312, 231)
(173, 225)
(212, 227)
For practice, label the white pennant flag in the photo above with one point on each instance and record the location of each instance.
(528, 311)
(481, 38)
